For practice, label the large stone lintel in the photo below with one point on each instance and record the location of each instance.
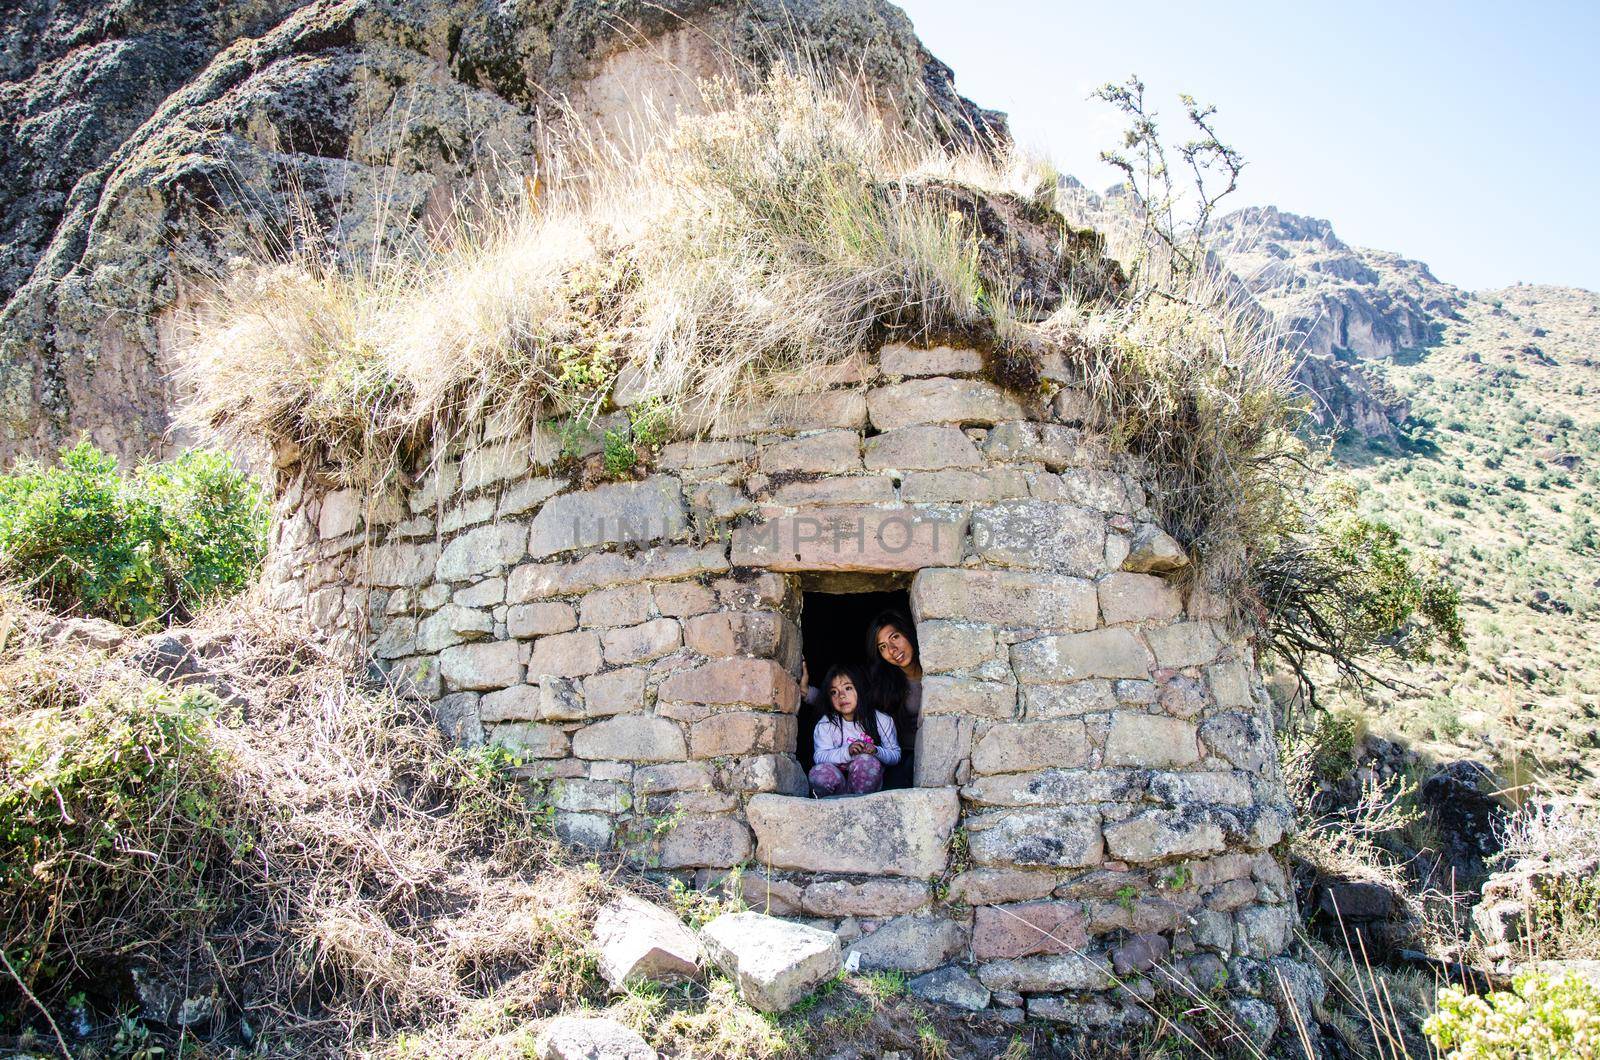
(904, 832)
(853, 539)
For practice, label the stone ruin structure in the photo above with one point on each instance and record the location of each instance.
(1095, 783)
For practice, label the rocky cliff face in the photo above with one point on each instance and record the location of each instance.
(1341, 305)
(144, 144)
(1337, 299)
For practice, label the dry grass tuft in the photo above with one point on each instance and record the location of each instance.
(1552, 832)
(1556, 846)
(1200, 387)
(306, 843)
(313, 856)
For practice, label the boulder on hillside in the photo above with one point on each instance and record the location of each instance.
(1470, 820)
(637, 940)
(95, 632)
(774, 963)
(1370, 915)
(590, 1038)
(1358, 900)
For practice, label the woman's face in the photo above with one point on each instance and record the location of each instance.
(842, 691)
(895, 647)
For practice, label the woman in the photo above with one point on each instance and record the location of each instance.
(896, 681)
(853, 742)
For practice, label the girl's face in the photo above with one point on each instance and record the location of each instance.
(843, 694)
(895, 647)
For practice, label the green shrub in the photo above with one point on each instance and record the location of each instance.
(1344, 588)
(648, 426)
(1542, 1018)
(1327, 741)
(1583, 535)
(112, 825)
(619, 455)
(137, 547)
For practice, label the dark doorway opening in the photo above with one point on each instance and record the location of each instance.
(833, 629)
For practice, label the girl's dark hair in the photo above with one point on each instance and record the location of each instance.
(889, 685)
(866, 713)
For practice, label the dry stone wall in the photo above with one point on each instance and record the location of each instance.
(1096, 787)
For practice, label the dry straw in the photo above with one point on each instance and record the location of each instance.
(316, 850)
(771, 233)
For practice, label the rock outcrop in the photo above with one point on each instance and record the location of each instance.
(1340, 305)
(1337, 299)
(143, 146)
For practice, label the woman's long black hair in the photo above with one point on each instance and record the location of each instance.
(889, 685)
(866, 712)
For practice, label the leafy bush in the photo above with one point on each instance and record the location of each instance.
(646, 429)
(111, 825)
(1583, 536)
(331, 865)
(1345, 588)
(135, 548)
(1541, 1018)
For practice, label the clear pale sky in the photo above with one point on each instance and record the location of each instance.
(1466, 135)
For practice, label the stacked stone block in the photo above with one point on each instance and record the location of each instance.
(1096, 781)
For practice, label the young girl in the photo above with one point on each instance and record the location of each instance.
(852, 741)
(896, 678)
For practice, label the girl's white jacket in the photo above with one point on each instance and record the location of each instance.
(832, 740)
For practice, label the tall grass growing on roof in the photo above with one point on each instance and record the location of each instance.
(763, 235)
(774, 231)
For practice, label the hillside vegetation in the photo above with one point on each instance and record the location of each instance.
(1498, 479)
(260, 853)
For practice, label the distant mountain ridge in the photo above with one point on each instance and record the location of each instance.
(1341, 306)
(1338, 299)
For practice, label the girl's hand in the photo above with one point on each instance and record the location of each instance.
(859, 748)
